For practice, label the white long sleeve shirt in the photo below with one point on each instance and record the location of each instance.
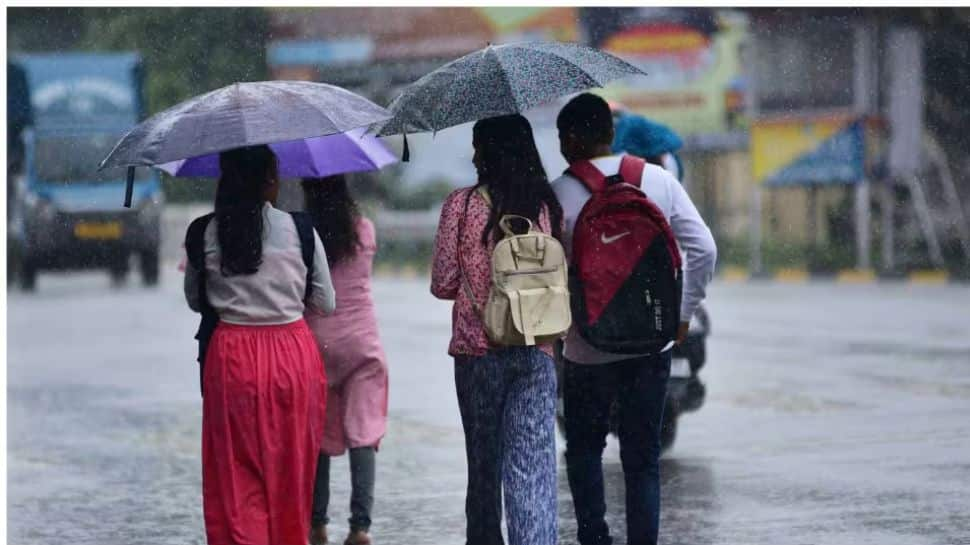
(273, 294)
(692, 234)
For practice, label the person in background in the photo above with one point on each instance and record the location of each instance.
(592, 379)
(655, 142)
(355, 361)
(264, 397)
(506, 395)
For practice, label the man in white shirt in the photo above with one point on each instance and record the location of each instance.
(593, 379)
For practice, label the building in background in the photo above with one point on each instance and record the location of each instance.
(692, 57)
(803, 128)
(838, 140)
(377, 51)
(694, 84)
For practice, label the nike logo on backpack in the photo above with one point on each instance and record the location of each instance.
(609, 240)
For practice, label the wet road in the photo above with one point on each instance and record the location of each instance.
(835, 414)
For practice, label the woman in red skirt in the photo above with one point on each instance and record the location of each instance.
(264, 385)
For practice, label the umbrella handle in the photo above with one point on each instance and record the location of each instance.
(129, 186)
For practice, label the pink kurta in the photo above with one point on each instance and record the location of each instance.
(352, 353)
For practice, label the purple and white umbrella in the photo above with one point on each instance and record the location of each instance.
(352, 151)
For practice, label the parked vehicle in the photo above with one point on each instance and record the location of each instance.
(19, 117)
(69, 215)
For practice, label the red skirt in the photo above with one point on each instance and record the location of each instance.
(262, 420)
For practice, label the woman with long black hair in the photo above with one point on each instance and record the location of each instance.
(355, 361)
(507, 395)
(264, 386)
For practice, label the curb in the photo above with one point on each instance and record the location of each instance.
(791, 276)
(856, 276)
(929, 277)
(735, 275)
(402, 272)
(739, 275)
(797, 275)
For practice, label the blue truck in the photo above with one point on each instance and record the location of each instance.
(67, 214)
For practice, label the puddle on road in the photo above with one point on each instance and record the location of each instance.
(788, 402)
(919, 386)
(102, 471)
(908, 352)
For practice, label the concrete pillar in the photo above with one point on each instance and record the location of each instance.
(862, 221)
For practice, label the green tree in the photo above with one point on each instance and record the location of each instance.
(187, 51)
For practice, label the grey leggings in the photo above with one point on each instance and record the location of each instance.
(362, 469)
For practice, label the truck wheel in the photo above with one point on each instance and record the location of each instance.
(28, 275)
(119, 273)
(13, 261)
(149, 266)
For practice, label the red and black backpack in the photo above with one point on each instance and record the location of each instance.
(625, 275)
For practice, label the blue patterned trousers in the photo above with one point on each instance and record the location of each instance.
(507, 400)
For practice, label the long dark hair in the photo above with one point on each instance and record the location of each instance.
(335, 215)
(508, 165)
(239, 207)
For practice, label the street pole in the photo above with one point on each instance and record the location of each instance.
(888, 207)
(814, 233)
(756, 264)
(748, 56)
(862, 218)
(864, 86)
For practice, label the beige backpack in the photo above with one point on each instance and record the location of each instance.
(528, 302)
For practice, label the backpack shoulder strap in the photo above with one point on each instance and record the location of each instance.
(589, 175)
(304, 229)
(195, 254)
(631, 169)
(195, 242)
(484, 194)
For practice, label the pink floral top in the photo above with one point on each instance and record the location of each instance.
(468, 337)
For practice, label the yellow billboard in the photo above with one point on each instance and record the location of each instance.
(692, 58)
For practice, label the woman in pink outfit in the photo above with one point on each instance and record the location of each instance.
(355, 362)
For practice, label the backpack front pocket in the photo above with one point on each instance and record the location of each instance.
(498, 320)
(540, 312)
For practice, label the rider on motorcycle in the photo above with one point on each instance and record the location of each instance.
(655, 142)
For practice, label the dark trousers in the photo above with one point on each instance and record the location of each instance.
(508, 410)
(362, 472)
(639, 387)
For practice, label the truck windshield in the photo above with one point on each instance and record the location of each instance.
(76, 158)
